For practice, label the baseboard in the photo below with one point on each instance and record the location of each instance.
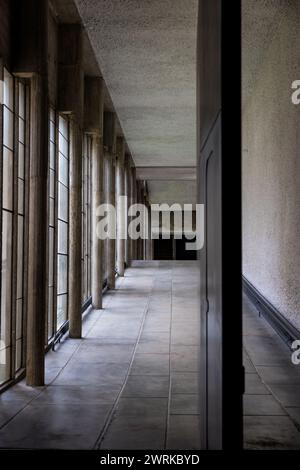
(280, 324)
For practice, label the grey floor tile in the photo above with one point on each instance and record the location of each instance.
(270, 432)
(142, 407)
(59, 394)
(280, 374)
(262, 405)
(254, 385)
(94, 374)
(288, 395)
(136, 432)
(295, 415)
(150, 364)
(55, 427)
(184, 404)
(146, 386)
(185, 382)
(93, 352)
(8, 409)
(185, 358)
(183, 432)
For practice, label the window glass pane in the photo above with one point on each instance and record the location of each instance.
(21, 157)
(19, 319)
(51, 212)
(50, 311)
(51, 257)
(5, 361)
(21, 100)
(51, 184)
(5, 325)
(8, 128)
(8, 94)
(63, 145)
(52, 156)
(63, 127)
(21, 131)
(62, 274)
(62, 237)
(52, 131)
(18, 364)
(62, 313)
(63, 172)
(7, 179)
(20, 257)
(63, 204)
(52, 115)
(20, 196)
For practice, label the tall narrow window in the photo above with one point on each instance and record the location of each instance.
(51, 224)
(86, 219)
(13, 208)
(62, 220)
(20, 210)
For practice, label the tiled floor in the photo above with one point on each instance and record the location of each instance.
(130, 383)
(272, 399)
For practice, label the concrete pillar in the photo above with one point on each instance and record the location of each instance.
(93, 124)
(149, 239)
(75, 231)
(71, 100)
(109, 143)
(133, 201)
(37, 252)
(128, 253)
(120, 191)
(29, 59)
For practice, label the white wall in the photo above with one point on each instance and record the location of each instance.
(271, 164)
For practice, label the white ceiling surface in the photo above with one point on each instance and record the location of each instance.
(146, 50)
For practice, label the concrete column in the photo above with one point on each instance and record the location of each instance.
(149, 239)
(128, 254)
(120, 191)
(93, 124)
(75, 232)
(109, 143)
(37, 252)
(97, 199)
(133, 201)
(29, 59)
(71, 101)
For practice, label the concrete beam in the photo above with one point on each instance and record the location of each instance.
(93, 105)
(70, 70)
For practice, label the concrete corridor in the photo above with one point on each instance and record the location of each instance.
(130, 383)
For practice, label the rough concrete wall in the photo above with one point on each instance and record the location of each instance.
(5, 31)
(271, 170)
(52, 59)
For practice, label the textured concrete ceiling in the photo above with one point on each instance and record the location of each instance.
(146, 50)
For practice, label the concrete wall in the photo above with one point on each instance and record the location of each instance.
(271, 160)
(5, 30)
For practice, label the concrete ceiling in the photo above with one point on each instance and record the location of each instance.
(146, 50)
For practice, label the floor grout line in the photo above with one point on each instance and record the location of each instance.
(108, 421)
